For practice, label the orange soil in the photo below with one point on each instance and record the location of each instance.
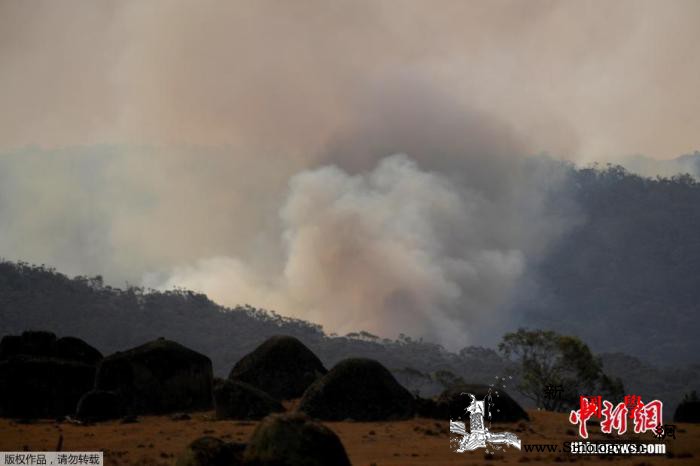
(157, 440)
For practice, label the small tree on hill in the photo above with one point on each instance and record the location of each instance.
(556, 369)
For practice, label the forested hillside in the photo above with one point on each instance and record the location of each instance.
(627, 278)
(111, 319)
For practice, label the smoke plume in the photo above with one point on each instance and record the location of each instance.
(360, 164)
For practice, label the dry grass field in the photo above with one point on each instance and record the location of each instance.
(158, 440)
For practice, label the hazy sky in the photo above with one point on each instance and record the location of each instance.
(359, 164)
(589, 79)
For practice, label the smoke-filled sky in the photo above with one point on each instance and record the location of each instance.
(363, 165)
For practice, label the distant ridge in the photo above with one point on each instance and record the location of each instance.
(112, 319)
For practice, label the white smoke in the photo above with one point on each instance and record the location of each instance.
(376, 251)
(247, 145)
(431, 244)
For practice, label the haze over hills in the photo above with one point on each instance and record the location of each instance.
(111, 319)
(622, 276)
(626, 278)
(389, 191)
(516, 241)
(650, 167)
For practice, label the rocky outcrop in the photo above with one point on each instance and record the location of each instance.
(357, 389)
(100, 405)
(294, 440)
(36, 387)
(238, 400)
(42, 377)
(282, 366)
(158, 377)
(211, 451)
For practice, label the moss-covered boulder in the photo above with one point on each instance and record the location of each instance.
(37, 343)
(40, 387)
(211, 451)
(158, 377)
(44, 344)
(358, 389)
(10, 345)
(238, 400)
(75, 349)
(294, 440)
(451, 404)
(101, 405)
(42, 377)
(282, 366)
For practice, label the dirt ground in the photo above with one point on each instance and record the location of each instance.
(158, 440)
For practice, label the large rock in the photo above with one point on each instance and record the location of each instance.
(45, 345)
(39, 387)
(238, 400)
(38, 343)
(211, 451)
(75, 349)
(30, 343)
(282, 366)
(358, 389)
(158, 377)
(100, 405)
(10, 345)
(294, 440)
(688, 411)
(42, 377)
(451, 404)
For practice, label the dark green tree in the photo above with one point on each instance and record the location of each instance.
(548, 360)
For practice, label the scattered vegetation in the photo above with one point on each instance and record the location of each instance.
(547, 361)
